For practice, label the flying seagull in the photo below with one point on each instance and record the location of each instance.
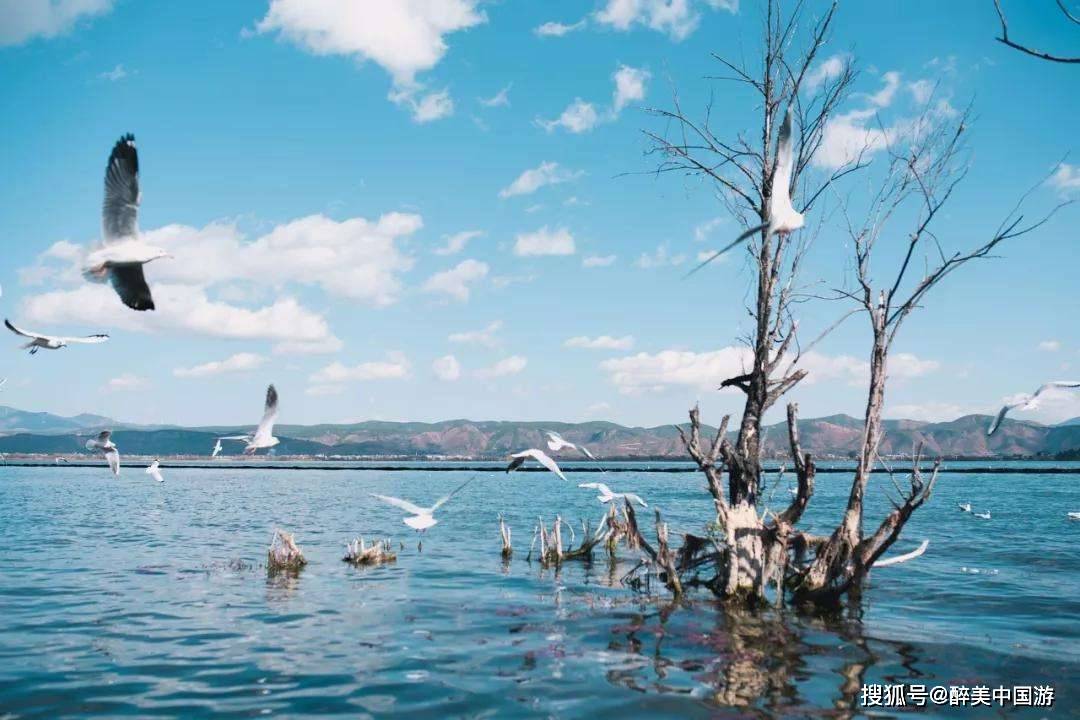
(965, 507)
(556, 442)
(3, 383)
(49, 342)
(420, 518)
(154, 472)
(263, 436)
(783, 218)
(217, 448)
(1029, 402)
(121, 257)
(606, 495)
(104, 445)
(518, 459)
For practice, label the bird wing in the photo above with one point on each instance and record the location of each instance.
(598, 486)
(86, 339)
(727, 247)
(585, 450)
(997, 420)
(242, 438)
(631, 497)
(442, 501)
(153, 472)
(129, 282)
(541, 457)
(403, 504)
(785, 159)
(119, 212)
(104, 435)
(266, 425)
(518, 461)
(1056, 384)
(25, 333)
(3, 382)
(113, 456)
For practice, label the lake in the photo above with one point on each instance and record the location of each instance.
(125, 597)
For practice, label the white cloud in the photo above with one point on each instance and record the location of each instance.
(906, 365)
(545, 242)
(499, 99)
(629, 87)
(127, 383)
(927, 412)
(404, 37)
(598, 261)
(1066, 177)
(826, 70)
(659, 258)
(598, 409)
(921, 91)
(1050, 345)
(500, 282)
(179, 307)
(603, 342)
(703, 230)
(645, 372)
(395, 367)
(485, 337)
(456, 281)
(884, 97)
(456, 243)
(117, 73)
(677, 18)
(21, 20)
(446, 368)
(546, 173)
(507, 366)
(240, 362)
(850, 134)
(557, 29)
(324, 390)
(578, 117)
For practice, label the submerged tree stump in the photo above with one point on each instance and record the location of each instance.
(504, 532)
(359, 553)
(284, 553)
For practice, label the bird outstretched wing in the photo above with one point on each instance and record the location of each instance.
(130, 284)
(403, 504)
(24, 333)
(119, 211)
(266, 425)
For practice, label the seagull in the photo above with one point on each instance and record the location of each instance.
(263, 435)
(153, 471)
(556, 442)
(217, 448)
(983, 515)
(966, 507)
(606, 495)
(39, 341)
(783, 219)
(104, 445)
(3, 383)
(60, 459)
(1074, 515)
(1029, 402)
(121, 257)
(518, 459)
(420, 519)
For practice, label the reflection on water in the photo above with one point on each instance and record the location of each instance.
(174, 614)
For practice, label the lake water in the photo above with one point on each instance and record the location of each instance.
(123, 597)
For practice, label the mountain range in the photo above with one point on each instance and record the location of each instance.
(835, 436)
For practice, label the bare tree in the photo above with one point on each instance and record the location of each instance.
(1072, 17)
(755, 549)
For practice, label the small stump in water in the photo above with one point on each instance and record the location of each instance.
(358, 553)
(284, 554)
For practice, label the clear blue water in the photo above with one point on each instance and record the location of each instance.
(122, 597)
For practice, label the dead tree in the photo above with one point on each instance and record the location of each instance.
(922, 176)
(742, 171)
(1072, 17)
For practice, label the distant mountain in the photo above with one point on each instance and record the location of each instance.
(835, 436)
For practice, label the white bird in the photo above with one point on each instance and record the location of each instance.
(983, 515)
(518, 459)
(50, 342)
(217, 448)
(3, 383)
(556, 442)
(782, 216)
(606, 495)
(1074, 515)
(420, 518)
(263, 436)
(59, 459)
(1029, 402)
(154, 472)
(104, 445)
(121, 257)
(966, 507)
(897, 559)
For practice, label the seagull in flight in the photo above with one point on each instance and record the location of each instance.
(606, 495)
(103, 444)
(121, 257)
(518, 459)
(49, 342)
(783, 218)
(263, 436)
(421, 518)
(556, 442)
(154, 472)
(964, 507)
(3, 383)
(1029, 402)
(217, 448)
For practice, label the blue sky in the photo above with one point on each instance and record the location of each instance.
(431, 210)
